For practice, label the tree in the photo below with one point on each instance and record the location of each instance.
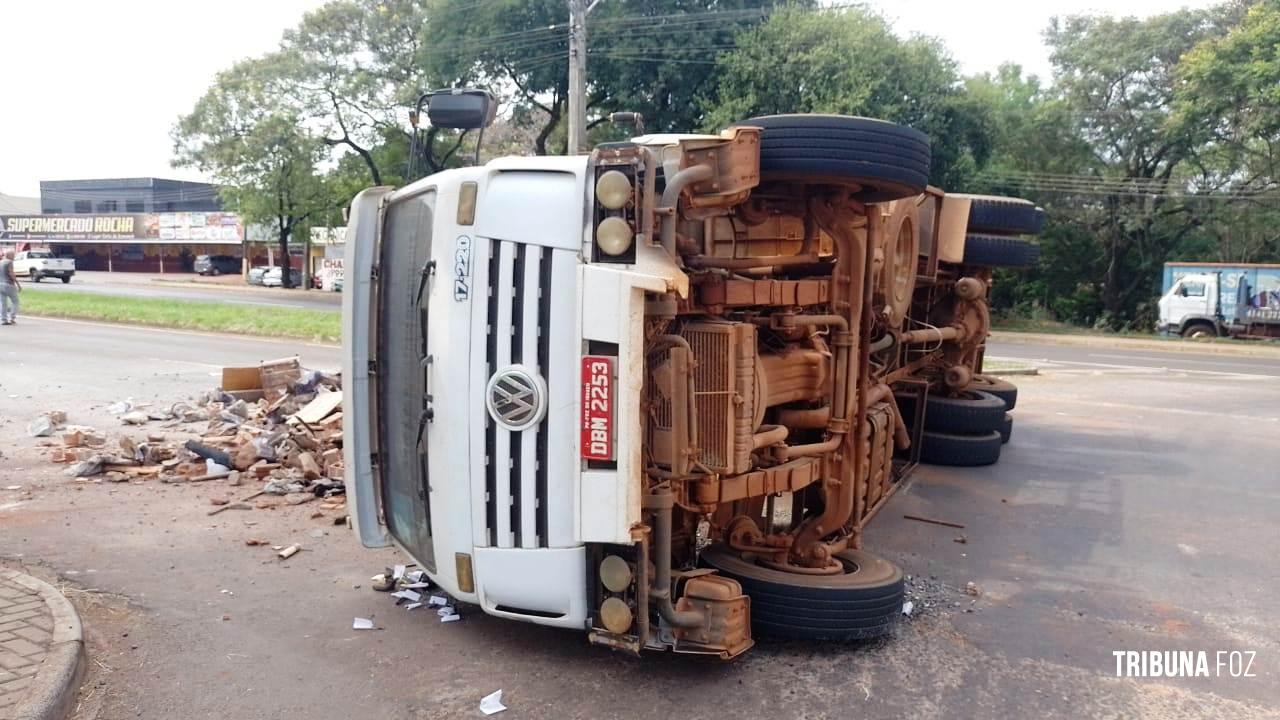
(1034, 137)
(848, 61)
(352, 67)
(1228, 96)
(649, 56)
(257, 148)
(1117, 78)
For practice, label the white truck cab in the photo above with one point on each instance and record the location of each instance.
(1192, 307)
(508, 322)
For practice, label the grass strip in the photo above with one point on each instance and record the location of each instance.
(315, 325)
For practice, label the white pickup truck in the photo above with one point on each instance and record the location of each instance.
(39, 264)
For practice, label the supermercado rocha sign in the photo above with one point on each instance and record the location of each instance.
(198, 227)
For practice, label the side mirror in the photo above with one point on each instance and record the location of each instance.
(461, 109)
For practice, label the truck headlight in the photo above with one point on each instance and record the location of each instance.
(613, 190)
(614, 235)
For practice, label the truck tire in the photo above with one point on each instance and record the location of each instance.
(1003, 215)
(864, 602)
(884, 160)
(972, 411)
(1006, 429)
(1199, 331)
(33, 275)
(1003, 389)
(66, 279)
(997, 251)
(956, 450)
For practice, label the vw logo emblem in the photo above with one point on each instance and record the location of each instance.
(516, 397)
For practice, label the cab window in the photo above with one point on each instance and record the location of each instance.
(1192, 289)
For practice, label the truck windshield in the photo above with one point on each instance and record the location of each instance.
(402, 403)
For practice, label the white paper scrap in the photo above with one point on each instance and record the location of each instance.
(362, 624)
(410, 595)
(417, 585)
(399, 573)
(907, 607)
(446, 610)
(413, 606)
(451, 618)
(437, 600)
(492, 703)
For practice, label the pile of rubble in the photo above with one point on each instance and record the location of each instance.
(276, 423)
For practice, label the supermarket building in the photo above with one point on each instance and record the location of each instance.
(127, 224)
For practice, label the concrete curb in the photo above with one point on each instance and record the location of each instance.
(1013, 371)
(1128, 343)
(51, 694)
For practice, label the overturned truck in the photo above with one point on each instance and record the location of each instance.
(656, 393)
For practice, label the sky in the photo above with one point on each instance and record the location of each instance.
(91, 88)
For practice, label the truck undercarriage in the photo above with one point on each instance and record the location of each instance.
(775, 391)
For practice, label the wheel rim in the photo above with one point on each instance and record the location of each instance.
(860, 569)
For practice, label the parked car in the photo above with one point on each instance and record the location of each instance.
(273, 277)
(40, 264)
(256, 273)
(216, 264)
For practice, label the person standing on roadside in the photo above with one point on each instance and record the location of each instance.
(9, 289)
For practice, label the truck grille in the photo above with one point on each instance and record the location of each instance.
(517, 327)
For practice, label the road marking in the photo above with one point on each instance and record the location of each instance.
(1152, 410)
(202, 366)
(1045, 363)
(1160, 359)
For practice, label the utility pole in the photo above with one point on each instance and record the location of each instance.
(578, 10)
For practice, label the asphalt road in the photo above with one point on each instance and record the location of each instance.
(1134, 509)
(127, 285)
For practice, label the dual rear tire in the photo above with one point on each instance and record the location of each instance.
(969, 428)
(994, 224)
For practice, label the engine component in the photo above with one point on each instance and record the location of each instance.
(732, 388)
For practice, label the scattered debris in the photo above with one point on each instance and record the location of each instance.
(231, 506)
(960, 539)
(276, 423)
(289, 552)
(971, 588)
(42, 426)
(252, 542)
(908, 607)
(120, 408)
(492, 703)
(932, 521)
(362, 624)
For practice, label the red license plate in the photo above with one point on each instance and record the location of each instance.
(597, 407)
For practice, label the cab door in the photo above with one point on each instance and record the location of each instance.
(388, 370)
